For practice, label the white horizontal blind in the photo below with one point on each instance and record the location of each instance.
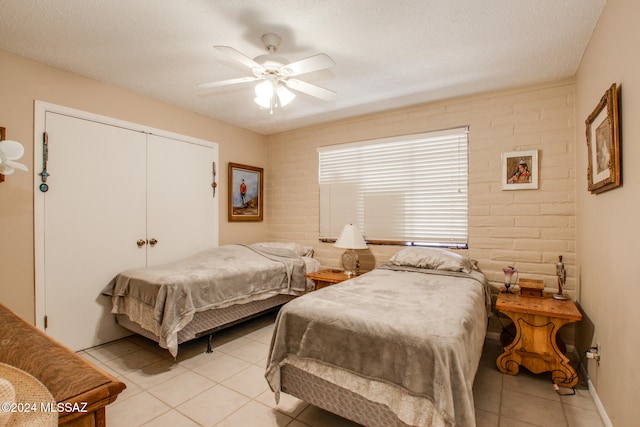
(411, 189)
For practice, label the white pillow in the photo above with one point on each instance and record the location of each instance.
(297, 248)
(432, 258)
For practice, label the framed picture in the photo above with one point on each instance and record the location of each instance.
(520, 170)
(245, 193)
(2, 137)
(603, 144)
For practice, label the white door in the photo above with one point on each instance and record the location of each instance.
(181, 213)
(94, 211)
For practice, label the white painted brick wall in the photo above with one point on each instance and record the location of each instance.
(525, 228)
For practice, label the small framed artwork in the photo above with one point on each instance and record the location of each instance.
(603, 144)
(2, 137)
(245, 193)
(520, 170)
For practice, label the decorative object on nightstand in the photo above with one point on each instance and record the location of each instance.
(350, 239)
(531, 288)
(562, 279)
(508, 279)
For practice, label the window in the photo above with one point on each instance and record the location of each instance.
(411, 189)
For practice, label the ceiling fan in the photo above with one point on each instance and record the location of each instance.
(277, 74)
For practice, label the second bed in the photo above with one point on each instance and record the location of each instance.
(215, 288)
(398, 346)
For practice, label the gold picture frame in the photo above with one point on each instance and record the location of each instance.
(603, 144)
(245, 192)
(3, 135)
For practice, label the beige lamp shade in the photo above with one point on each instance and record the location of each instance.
(350, 238)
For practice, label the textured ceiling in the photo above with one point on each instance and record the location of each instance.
(387, 53)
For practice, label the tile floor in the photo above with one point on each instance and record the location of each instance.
(227, 387)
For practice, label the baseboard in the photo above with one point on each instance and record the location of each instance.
(495, 336)
(601, 410)
(594, 395)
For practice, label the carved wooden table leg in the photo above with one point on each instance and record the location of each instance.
(537, 322)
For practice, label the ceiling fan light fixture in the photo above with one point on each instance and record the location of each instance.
(264, 94)
(272, 94)
(276, 74)
(285, 96)
(264, 90)
(264, 103)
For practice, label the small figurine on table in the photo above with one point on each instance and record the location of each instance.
(562, 279)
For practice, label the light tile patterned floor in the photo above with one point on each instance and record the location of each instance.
(227, 388)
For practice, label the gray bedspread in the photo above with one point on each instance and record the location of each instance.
(216, 277)
(418, 330)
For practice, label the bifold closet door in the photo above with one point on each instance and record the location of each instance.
(94, 211)
(181, 214)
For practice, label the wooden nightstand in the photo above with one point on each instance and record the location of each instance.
(537, 322)
(324, 278)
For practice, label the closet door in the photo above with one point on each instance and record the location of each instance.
(94, 211)
(181, 213)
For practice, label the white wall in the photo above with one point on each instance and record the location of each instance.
(608, 231)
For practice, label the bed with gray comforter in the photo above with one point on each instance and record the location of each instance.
(406, 339)
(164, 299)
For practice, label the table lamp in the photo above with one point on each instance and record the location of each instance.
(350, 239)
(508, 277)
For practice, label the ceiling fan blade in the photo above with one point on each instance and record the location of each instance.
(307, 65)
(228, 82)
(240, 57)
(311, 89)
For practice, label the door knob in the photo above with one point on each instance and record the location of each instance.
(141, 243)
(153, 242)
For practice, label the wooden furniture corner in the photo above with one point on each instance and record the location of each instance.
(537, 322)
(72, 380)
(328, 277)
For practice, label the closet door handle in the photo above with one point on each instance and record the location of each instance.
(153, 242)
(141, 243)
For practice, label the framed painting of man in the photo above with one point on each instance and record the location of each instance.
(245, 193)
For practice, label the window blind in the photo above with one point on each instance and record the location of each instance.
(411, 189)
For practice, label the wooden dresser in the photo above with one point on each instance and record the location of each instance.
(73, 381)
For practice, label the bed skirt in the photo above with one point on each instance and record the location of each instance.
(209, 321)
(335, 399)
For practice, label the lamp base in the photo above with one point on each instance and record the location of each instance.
(507, 289)
(350, 262)
(560, 297)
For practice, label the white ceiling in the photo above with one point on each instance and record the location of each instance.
(388, 54)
